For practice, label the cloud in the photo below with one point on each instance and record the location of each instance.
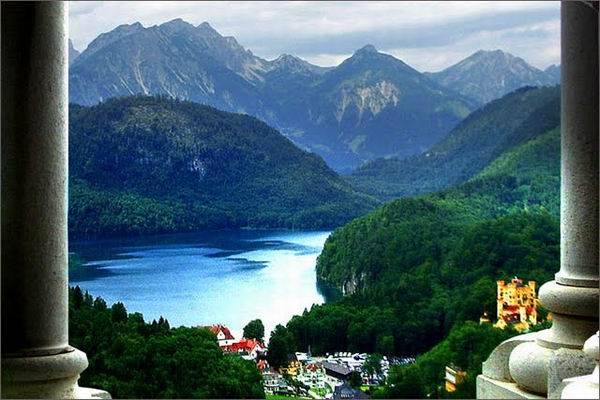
(430, 35)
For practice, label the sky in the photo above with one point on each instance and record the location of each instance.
(428, 35)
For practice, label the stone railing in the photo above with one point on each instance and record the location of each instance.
(540, 364)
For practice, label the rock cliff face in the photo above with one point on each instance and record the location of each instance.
(372, 105)
(73, 52)
(353, 284)
(488, 75)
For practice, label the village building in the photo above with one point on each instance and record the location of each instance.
(248, 348)
(262, 365)
(454, 376)
(224, 336)
(516, 304)
(344, 391)
(302, 357)
(338, 371)
(313, 376)
(274, 383)
(292, 369)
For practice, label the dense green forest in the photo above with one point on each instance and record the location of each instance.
(466, 347)
(149, 165)
(484, 135)
(416, 269)
(131, 358)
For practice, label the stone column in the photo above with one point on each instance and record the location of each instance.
(37, 361)
(538, 366)
(579, 149)
(573, 296)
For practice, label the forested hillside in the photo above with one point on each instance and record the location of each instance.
(479, 139)
(146, 164)
(371, 105)
(416, 267)
(131, 358)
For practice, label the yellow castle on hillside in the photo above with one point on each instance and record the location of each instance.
(516, 304)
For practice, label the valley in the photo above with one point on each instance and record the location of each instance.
(275, 183)
(371, 105)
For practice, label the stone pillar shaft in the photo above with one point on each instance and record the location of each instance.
(37, 361)
(540, 365)
(579, 149)
(573, 296)
(34, 178)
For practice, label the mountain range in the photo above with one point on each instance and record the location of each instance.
(419, 266)
(481, 137)
(371, 105)
(143, 164)
(488, 75)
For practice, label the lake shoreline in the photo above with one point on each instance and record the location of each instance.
(110, 237)
(209, 277)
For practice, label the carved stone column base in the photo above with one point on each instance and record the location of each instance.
(47, 377)
(540, 370)
(582, 387)
(488, 388)
(586, 386)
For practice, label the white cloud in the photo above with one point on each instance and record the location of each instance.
(538, 44)
(431, 34)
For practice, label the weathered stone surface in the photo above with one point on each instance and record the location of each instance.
(88, 393)
(587, 386)
(528, 365)
(581, 388)
(496, 366)
(34, 178)
(52, 376)
(570, 300)
(579, 149)
(566, 363)
(567, 331)
(488, 388)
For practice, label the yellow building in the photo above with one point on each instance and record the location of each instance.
(292, 368)
(516, 304)
(454, 376)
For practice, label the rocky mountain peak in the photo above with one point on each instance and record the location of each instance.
(108, 38)
(365, 50)
(553, 72)
(175, 25)
(489, 74)
(73, 52)
(293, 64)
(208, 30)
(287, 60)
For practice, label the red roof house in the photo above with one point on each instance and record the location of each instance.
(247, 346)
(223, 334)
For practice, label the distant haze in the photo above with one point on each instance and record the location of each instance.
(428, 35)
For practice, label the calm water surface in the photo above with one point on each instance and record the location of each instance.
(228, 277)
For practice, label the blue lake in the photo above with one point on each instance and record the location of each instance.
(228, 277)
